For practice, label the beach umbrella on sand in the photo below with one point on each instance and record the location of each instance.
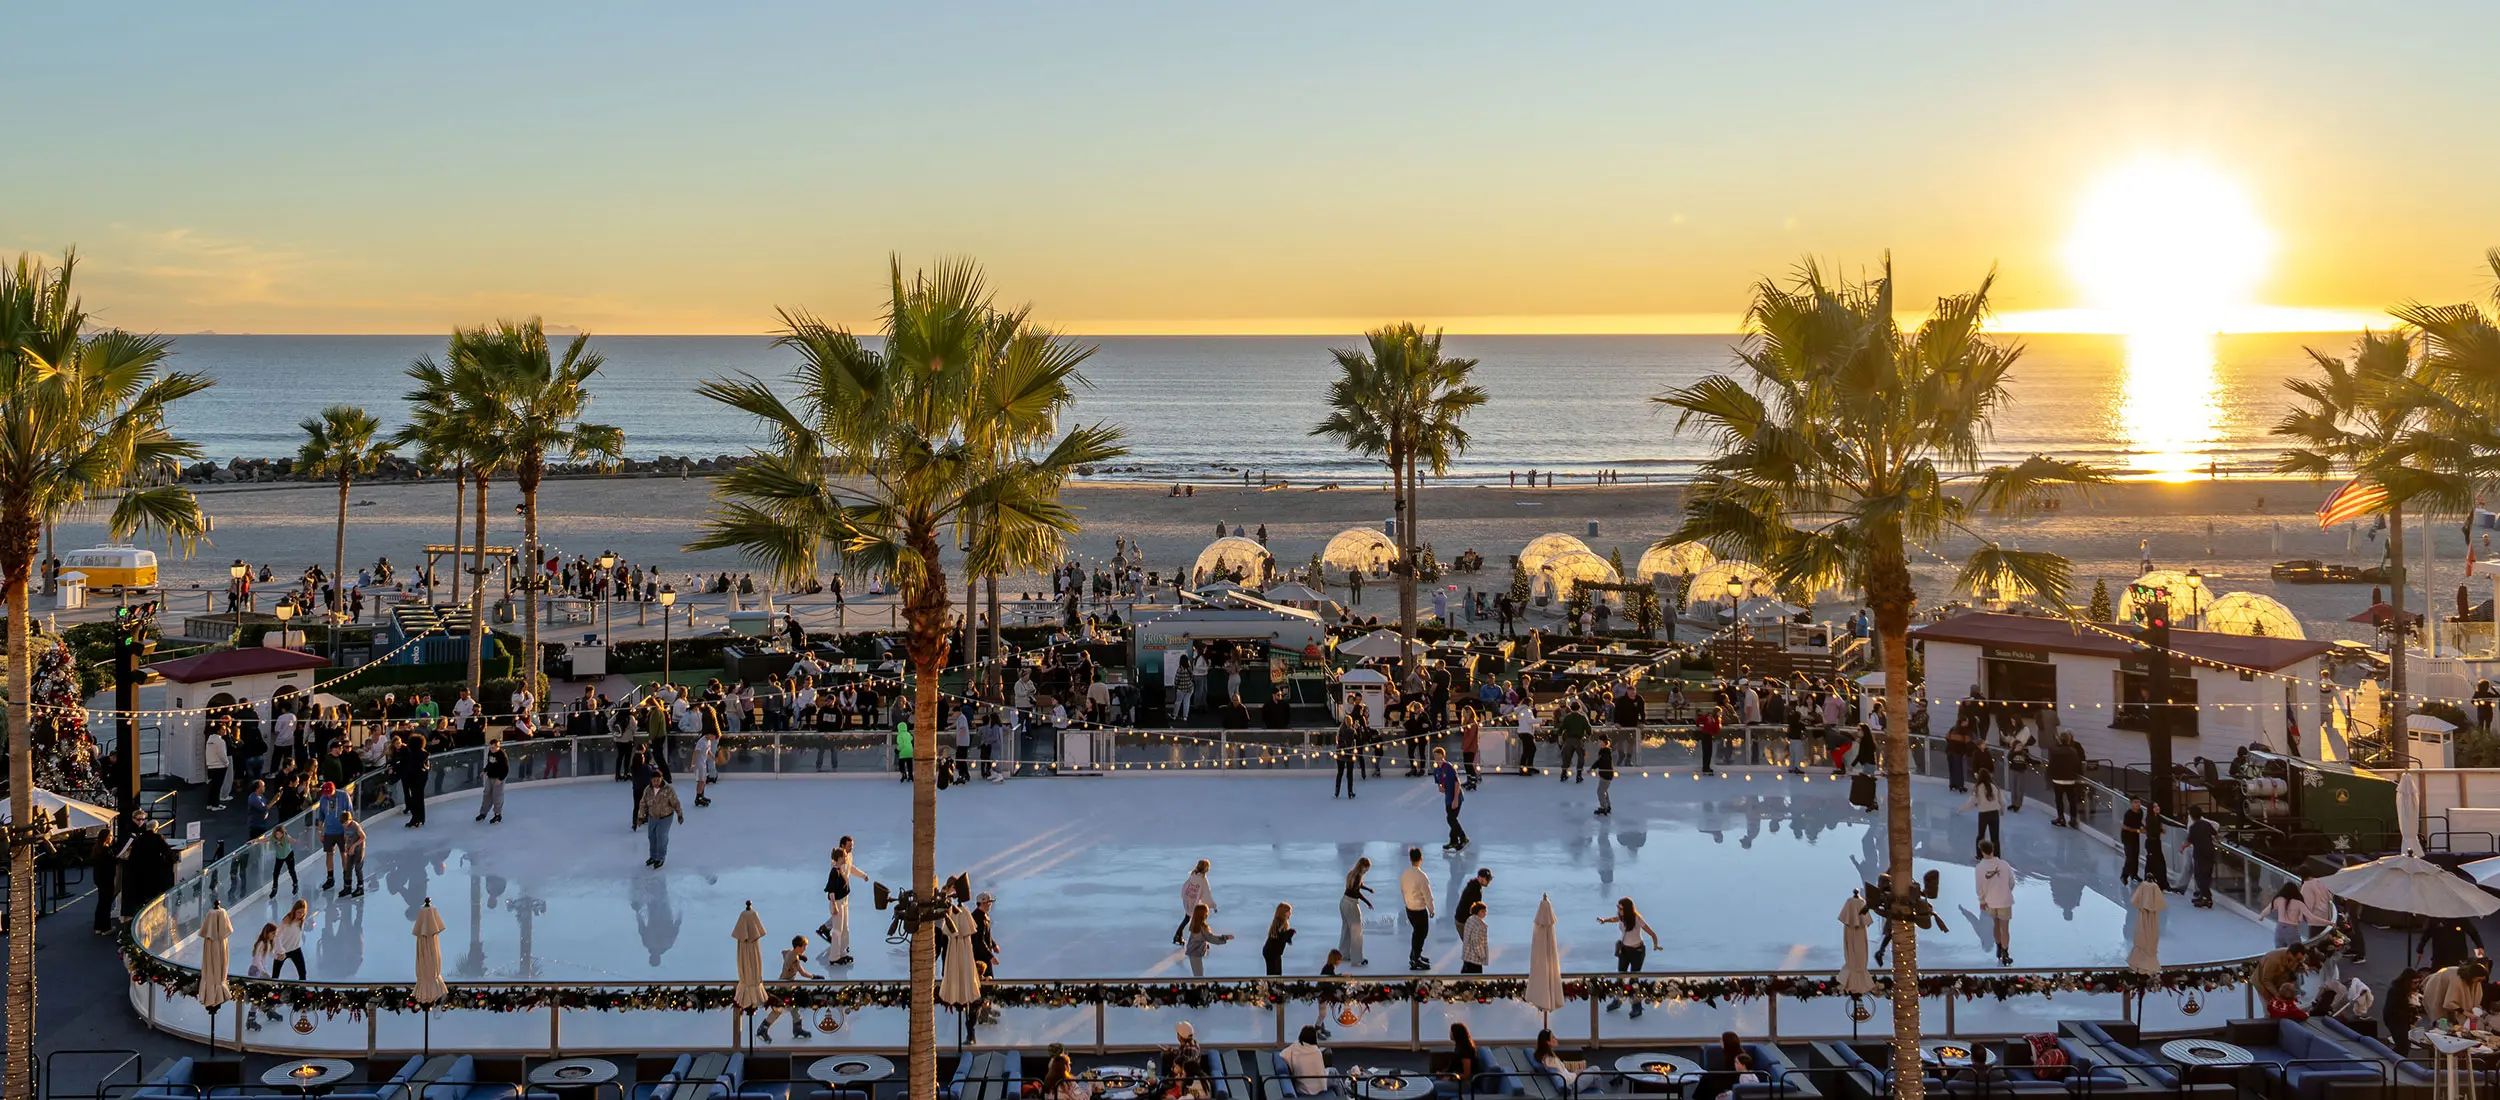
(1854, 979)
(429, 987)
(216, 934)
(1545, 990)
(2147, 901)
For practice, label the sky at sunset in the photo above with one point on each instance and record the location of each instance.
(1243, 168)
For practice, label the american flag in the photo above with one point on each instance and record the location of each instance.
(2354, 500)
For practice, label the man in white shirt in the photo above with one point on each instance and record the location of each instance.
(1995, 879)
(1307, 1063)
(1098, 700)
(1194, 892)
(1416, 888)
(524, 703)
(463, 710)
(282, 734)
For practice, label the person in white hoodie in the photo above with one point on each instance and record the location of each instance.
(1416, 888)
(1995, 879)
(1194, 892)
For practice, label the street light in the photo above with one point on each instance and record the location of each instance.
(668, 599)
(234, 595)
(607, 596)
(1735, 592)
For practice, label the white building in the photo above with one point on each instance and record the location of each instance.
(224, 678)
(2244, 687)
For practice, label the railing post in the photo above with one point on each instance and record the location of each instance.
(1280, 1021)
(373, 1028)
(1099, 1046)
(1948, 1014)
(1594, 1013)
(1774, 1024)
(555, 1032)
(1414, 1017)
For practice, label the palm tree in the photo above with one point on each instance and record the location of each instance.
(1841, 440)
(877, 455)
(1398, 400)
(82, 416)
(2380, 418)
(535, 410)
(341, 442)
(442, 443)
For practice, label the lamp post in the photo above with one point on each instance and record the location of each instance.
(240, 574)
(607, 596)
(285, 611)
(1735, 592)
(668, 599)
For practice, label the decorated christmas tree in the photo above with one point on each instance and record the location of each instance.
(2101, 612)
(65, 756)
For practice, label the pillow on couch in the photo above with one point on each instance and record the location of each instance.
(2048, 1060)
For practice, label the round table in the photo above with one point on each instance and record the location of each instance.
(1119, 1082)
(1392, 1084)
(2206, 1052)
(1656, 1072)
(846, 1069)
(307, 1075)
(1952, 1053)
(568, 1076)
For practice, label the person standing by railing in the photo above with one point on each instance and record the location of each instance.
(836, 931)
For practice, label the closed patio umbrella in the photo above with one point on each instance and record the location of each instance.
(1854, 979)
(429, 987)
(1545, 989)
(749, 933)
(216, 935)
(960, 986)
(2144, 956)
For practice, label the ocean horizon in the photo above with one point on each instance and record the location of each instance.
(1211, 407)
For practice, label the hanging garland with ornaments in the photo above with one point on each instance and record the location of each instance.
(1253, 992)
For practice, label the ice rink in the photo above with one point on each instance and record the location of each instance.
(1738, 873)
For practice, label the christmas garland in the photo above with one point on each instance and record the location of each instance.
(264, 993)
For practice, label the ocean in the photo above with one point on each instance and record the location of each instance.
(1208, 408)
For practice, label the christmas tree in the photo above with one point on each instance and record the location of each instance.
(65, 756)
(2101, 611)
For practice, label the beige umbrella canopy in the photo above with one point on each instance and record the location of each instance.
(749, 995)
(2405, 882)
(1545, 548)
(961, 984)
(429, 929)
(2144, 957)
(1545, 990)
(1854, 978)
(216, 946)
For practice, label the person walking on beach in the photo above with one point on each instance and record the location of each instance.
(1453, 794)
(660, 812)
(1349, 759)
(793, 968)
(1350, 913)
(1415, 887)
(836, 931)
(1995, 880)
(1279, 937)
(1629, 953)
(498, 769)
(1195, 893)
(1201, 937)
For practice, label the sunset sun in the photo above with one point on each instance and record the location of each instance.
(2167, 244)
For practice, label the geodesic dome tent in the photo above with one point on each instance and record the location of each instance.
(1358, 548)
(2251, 614)
(2189, 598)
(1682, 559)
(1545, 548)
(1710, 585)
(1233, 557)
(1564, 573)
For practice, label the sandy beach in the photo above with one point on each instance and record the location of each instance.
(2231, 529)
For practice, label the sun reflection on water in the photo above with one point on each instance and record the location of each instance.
(2169, 413)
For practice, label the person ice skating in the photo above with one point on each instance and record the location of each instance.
(1571, 733)
(1201, 937)
(1195, 892)
(282, 859)
(1605, 769)
(1629, 953)
(289, 947)
(1470, 894)
(660, 813)
(1984, 798)
(1470, 737)
(1415, 888)
(2288, 913)
(2131, 841)
(352, 859)
(1329, 969)
(498, 768)
(2019, 743)
(264, 956)
(1995, 880)
(1279, 937)
(2204, 836)
(1525, 712)
(2156, 853)
(793, 968)
(331, 810)
(1349, 760)
(1350, 913)
(1706, 730)
(836, 931)
(705, 765)
(1475, 948)
(1452, 795)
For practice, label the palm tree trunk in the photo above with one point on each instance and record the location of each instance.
(1889, 593)
(1414, 525)
(998, 649)
(2392, 726)
(924, 613)
(459, 499)
(530, 657)
(338, 562)
(477, 600)
(1403, 459)
(18, 542)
